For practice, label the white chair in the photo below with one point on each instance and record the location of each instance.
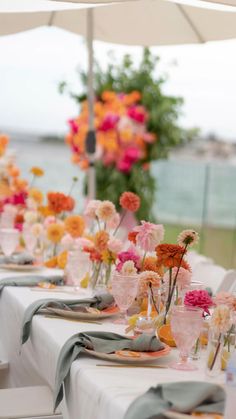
(210, 275)
(229, 282)
(27, 403)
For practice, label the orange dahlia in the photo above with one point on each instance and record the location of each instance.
(58, 202)
(130, 201)
(151, 264)
(170, 255)
(74, 225)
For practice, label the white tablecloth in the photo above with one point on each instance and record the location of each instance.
(92, 392)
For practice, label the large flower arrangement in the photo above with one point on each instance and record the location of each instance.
(135, 124)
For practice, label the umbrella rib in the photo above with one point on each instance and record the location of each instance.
(51, 18)
(190, 22)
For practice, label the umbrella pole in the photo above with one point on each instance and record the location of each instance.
(91, 138)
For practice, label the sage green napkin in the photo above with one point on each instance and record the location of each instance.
(29, 280)
(104, 342)
(100, 302)
(184, 397)
(17, 258)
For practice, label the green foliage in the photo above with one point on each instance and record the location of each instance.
(163, 121)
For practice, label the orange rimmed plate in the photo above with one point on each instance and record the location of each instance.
(93, 315)
(20, 268)
(131, 356)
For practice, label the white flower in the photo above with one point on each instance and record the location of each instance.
(105, 211)
(128, 268)
(37, 229)
(31, 217)
(221, 319)
(188, 238)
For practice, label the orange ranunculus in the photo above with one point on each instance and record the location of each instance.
(170, 255)
(37, 171)
(75, 225)
(36, 195)
(84, 164)
(55, 232)
(58, 202)
(130, 201)
(101, 240)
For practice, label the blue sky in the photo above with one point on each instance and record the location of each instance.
(32, 64)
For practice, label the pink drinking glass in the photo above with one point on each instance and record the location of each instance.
(186, 324)
(124, 291)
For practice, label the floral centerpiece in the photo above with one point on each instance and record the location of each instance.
(135, 124)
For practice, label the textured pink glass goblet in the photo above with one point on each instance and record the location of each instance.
(186, 324)
(9, 240)
(124, 291)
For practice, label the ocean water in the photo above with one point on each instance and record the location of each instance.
(188, 192)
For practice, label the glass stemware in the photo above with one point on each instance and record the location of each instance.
(124, 291)
(186, 324)
(9, 239)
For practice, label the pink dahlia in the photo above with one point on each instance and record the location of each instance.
(149, 235)
(198, 298)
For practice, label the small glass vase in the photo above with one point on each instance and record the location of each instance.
(165, 307)
(228, 347)
(101, 276)
(214, 353)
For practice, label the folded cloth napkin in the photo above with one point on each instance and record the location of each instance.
(105, 342)
(29, 281)
(184, 397)
(17, 258)
(100, 302)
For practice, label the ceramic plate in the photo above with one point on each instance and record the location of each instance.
(71, 314)
(131, 356)
(19, 268)
(175, 415)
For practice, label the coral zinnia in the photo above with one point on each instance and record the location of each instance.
(55, 232)
(169, 255)
(74, 225)
(130, 201)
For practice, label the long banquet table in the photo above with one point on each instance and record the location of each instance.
(93, 392)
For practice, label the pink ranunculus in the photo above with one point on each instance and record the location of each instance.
(149, 137)
(73, 126)
(130, 254)
(115, 245)
(198, 298)
(149, 235)
(132, 154)
(183, 278)
(138, 114)
(109, 159)
(124, 166)
(109, 122)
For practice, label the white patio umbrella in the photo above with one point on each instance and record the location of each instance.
(137, 22)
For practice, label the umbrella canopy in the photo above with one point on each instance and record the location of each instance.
(142, 22)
